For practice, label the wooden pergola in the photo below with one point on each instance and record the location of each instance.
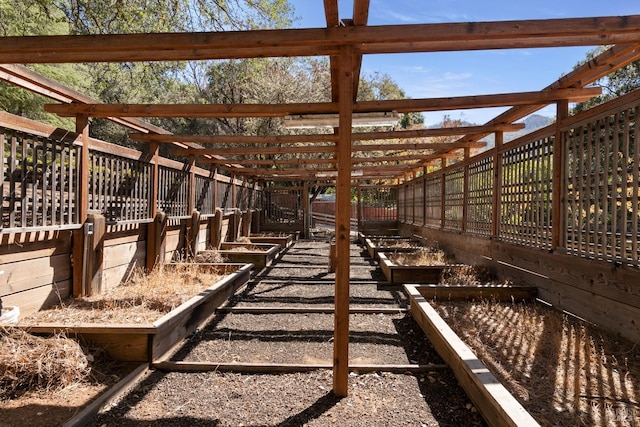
(345, 42)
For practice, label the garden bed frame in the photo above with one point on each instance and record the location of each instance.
(374, 249)
(285, 241)
(399, 274)
(260, 259)
(148, 342)
(493, 400)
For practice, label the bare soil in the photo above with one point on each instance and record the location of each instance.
(300, 279)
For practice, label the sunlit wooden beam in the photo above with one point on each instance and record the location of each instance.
(281, 110)
(324, 41)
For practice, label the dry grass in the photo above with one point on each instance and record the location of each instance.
(143, 299)
(210, 256)
(421, 257)
(246, 248)
(395, 243)
(563, 371)
(31, 363)
(467, 275)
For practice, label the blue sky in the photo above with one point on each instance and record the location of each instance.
(470, 73)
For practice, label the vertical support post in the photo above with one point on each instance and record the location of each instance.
(558, 196)
(215, 188)
(343, 222)
(305, 210)
(497, 185)
(80, 256)
(97, 225)
(424, 195)
(443, 193)
(359, 206)
(233, 191)
(152, 245)
(192, 183)
(465, 189)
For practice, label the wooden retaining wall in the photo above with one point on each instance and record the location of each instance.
(598, 291)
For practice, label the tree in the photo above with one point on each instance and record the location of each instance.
(618, 83)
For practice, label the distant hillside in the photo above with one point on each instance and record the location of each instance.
(531, 123)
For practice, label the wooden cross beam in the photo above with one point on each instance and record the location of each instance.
(245, 151)
(281, 110)
(325, 41)
(325, 137)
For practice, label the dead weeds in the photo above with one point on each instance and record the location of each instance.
(423, 256)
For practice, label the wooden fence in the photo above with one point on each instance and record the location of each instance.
(41, 232)
(504, 207)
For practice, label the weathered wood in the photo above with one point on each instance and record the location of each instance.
(123, 254)
(497, 406)
(274, 368)
(398, 274)
(493, 293)
(259, 258)
(156, 242)
(146, 342)
(20, 276)
(301, 310)
(35, 299)
(95, 253)
(106, 399)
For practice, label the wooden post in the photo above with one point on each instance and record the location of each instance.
(152, 245)
(156, 240)
(558, 197)
(443, 193)
(497, 185)
(216, 229)
(192, 183)
(465, 190)
(247, 216)
(359, 206)
(233, 191)
(79, 261)
(98, 226)
(343, 222)
(424, 196)
(215, 188)
(194, 233)
(305, 210)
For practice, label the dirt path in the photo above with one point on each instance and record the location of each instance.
(300, 280)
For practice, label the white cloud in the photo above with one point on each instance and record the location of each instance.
(456, 76)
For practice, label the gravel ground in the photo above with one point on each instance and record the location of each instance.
(300, 279)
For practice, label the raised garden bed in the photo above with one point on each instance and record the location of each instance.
(259, 254)
(495, 403)
(539, 366)
(146, 341)
(411, 272)
(363, 236)
(376, 245)
(283, 239)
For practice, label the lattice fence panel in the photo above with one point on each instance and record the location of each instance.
(454, 198)
(173, 197)
(418, 202)
(205, 192)
(379, 204)
(282, 206)
(40, 181)
(602, 179)
(526, 194)
(433, 200)
(480, 199)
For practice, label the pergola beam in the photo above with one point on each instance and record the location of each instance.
(238, 151)
(282, 110)
(325, 41)
(326, 137)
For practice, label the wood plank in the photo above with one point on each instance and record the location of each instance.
(117, 255)
(33, 273)
(298, 310)
(327, 41)
(343, 224)
(273, 368)
(281, 110)
(497, 293)
(35, 299)
(497, 406)
(117, 275)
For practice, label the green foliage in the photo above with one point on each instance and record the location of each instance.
(618, 83)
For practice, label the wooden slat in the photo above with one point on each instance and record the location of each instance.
(273, 368)
(310, 42)
(315, 310)
(281, 110)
